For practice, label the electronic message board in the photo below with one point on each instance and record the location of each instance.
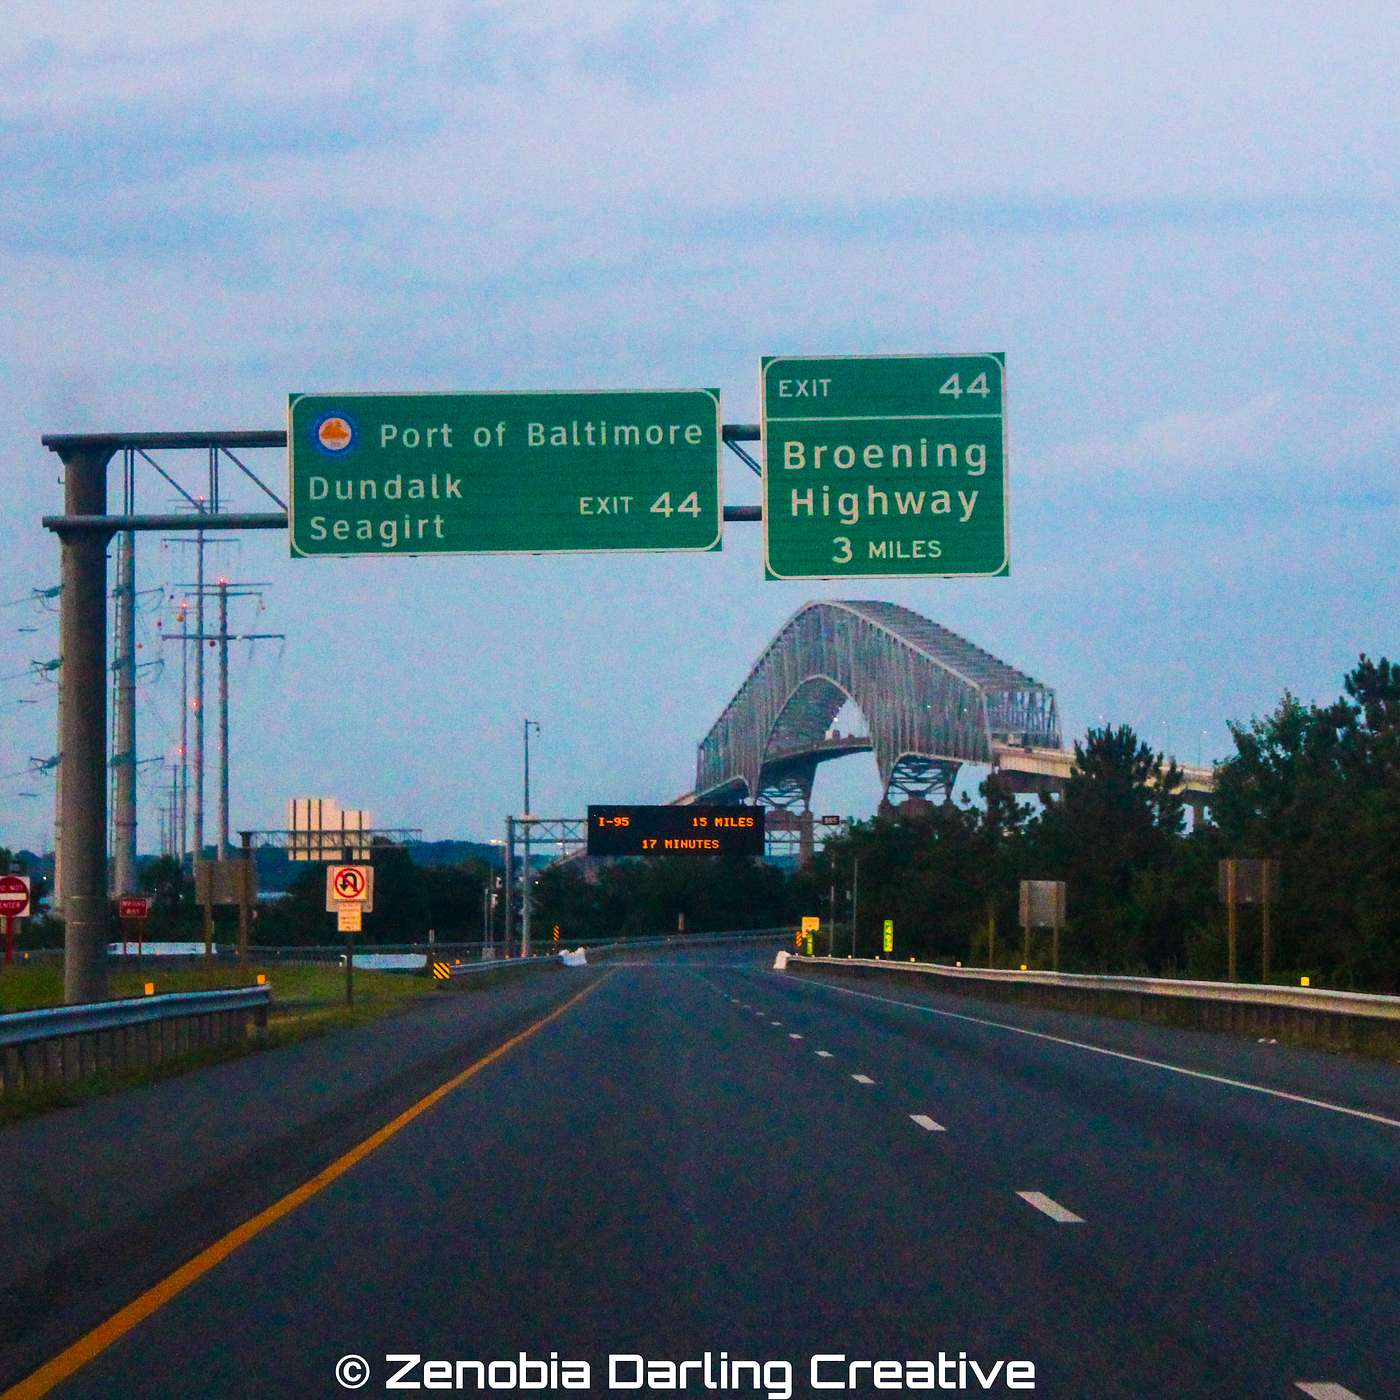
(664, 831)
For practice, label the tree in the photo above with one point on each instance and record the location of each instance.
(1114, 832)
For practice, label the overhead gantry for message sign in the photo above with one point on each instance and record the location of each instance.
(197, 466)
(890, 466)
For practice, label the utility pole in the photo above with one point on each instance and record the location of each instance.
(199, 698)
(223, 719)
(193, 759)
(56, 898)
(224, 591)
(124, 757)
(525, 872)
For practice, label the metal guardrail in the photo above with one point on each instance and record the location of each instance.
(1241, 993)
(49, 1022)
(66, 1044)
(457, 970)
(688, 940)
(1353, 1020)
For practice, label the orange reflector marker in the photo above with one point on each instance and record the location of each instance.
(262, 979)
(150, 989)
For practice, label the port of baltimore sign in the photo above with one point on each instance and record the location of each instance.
(884, 466)
(666, 831)
(504, 473)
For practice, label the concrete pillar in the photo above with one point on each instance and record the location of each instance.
(82, 739)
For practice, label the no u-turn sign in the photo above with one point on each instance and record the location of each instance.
(349, 886)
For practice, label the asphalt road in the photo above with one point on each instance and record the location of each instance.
(704, 1156)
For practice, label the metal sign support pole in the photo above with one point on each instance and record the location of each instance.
(1265, 919)
(83, 731)
(1231, 923)
(855, 900)
(509, 887)
(525, 893)
(245, 898)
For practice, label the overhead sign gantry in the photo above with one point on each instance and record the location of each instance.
(549, 472)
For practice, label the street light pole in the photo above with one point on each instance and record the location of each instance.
(528, 819)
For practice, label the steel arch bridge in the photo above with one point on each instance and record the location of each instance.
(931, 699)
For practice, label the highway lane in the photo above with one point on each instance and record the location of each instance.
(703, 1155)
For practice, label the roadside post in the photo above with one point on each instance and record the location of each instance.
(349, 896)
(245, 898)
(1042, 906)
(1242, 881)
(132, 913)
(14, 904)
(855, 900)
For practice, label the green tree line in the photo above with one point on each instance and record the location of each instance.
(1316, 787)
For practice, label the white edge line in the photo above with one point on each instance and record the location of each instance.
(1053, 1209)
(1120, 1055)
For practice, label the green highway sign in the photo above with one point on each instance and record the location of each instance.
(883, 466)
(504, 473)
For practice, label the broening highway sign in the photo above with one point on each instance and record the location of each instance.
(504, 473)
(883, 466)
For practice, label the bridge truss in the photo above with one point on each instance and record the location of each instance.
(932, 700)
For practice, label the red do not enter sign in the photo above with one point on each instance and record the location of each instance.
(14, 895)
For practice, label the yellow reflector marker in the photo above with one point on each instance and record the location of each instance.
(1305, 981)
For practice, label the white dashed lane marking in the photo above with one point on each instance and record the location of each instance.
(1120, 1055)
(927, 1123)
(1053, 1209)
(1326, 1390)
(825, 1054)
(775, 1023)
(793, 1035)
(862, 1079)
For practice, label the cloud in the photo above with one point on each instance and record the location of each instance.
(1304, 444)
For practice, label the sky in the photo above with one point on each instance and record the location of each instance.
(1178, 221)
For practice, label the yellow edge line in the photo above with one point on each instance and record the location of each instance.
(76, 1356)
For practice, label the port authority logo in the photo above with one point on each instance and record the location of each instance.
(333, 433)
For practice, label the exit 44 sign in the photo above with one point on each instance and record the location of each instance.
(504, 473)
(884, 466)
